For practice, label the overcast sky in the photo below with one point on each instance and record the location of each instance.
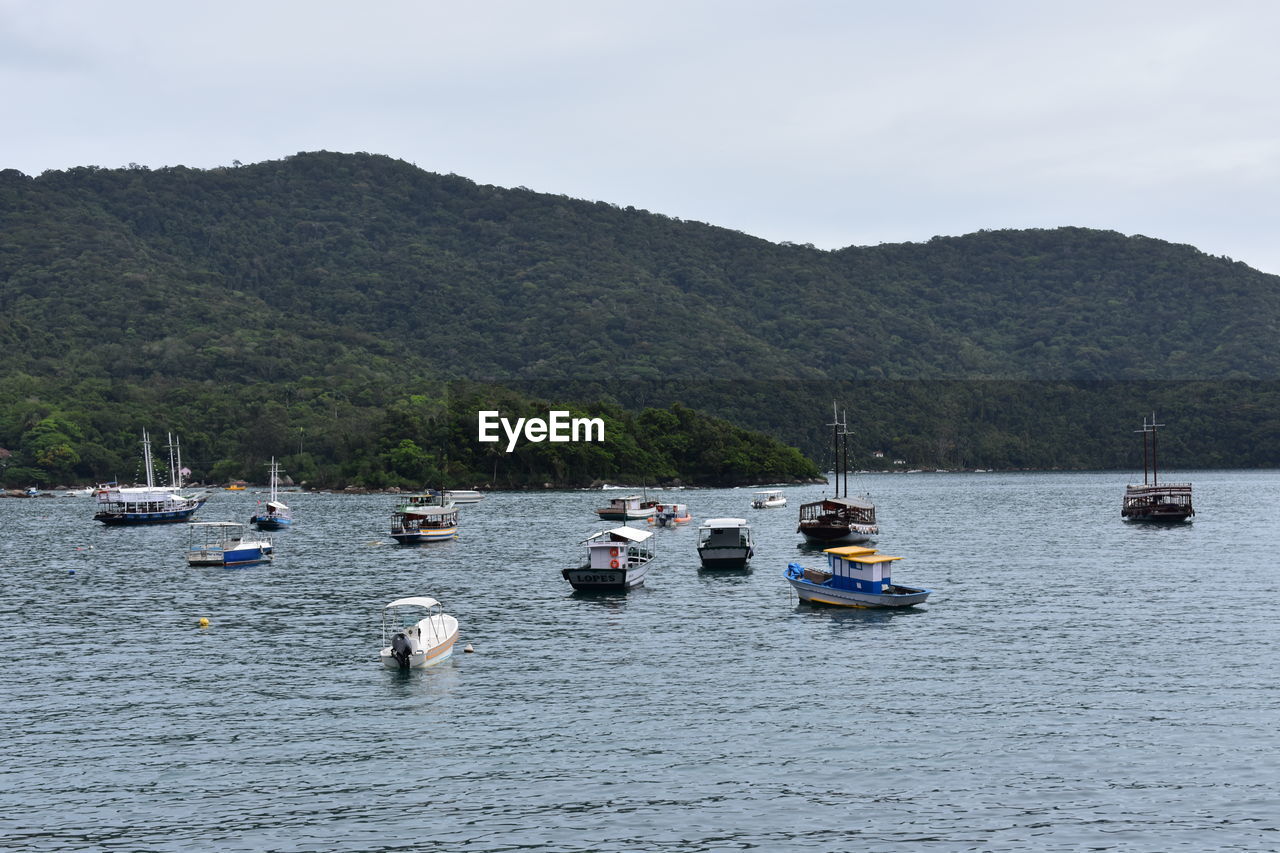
(832, 123)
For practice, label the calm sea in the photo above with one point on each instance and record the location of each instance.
(1074, 683)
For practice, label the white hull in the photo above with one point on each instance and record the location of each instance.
(820, 594)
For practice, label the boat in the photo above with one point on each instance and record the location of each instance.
(617, 560)
(237, 487)
(855, 577)
(1155, 501)
(149, 504)
(626, 509)
(669, 515)
(428, 517)
(226, 543)
(768, 499)
(416, 633)
(725, 543)
(275, 513)
(839, 519)
(464, 496)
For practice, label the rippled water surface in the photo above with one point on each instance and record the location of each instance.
(1074, 683)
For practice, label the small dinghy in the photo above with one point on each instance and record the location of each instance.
(416, 633)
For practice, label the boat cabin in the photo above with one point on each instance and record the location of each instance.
(619, 547)
(857, 568)
(838, 510)
(724, 533)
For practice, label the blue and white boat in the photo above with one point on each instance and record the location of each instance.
(275, 513)
(226, 543)
(149, 504)
(855, 577)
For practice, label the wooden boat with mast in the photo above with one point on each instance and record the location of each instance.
(149, 504)
(839, 519)
(1153, 500)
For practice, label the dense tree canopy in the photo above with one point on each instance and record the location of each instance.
(323, 307)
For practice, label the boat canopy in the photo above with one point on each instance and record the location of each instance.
(768, 492)
(871, 558)
(413, 601)
(629, 533)
(725, 522)
(277, 505)
(848, 551)
(428, 511)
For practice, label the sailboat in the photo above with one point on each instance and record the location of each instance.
(275, 514)
(839, 519)
(149, 504)
(1153, 500)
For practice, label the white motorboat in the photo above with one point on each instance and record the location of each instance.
(463, 496)
(225, 543)
(725, 543)
(416, 633)
(627, 508)
(768, 499)
(617, 560)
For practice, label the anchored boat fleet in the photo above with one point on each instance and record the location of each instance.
(416, 631)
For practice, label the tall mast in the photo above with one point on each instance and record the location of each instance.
(1155, 478)
(1144, 432)
(146, 459)
(835, 447)
(844, 446)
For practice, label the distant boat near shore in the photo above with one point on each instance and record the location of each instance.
(1154, 501)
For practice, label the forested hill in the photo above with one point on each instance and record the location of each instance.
(327, 307)
(360, 262)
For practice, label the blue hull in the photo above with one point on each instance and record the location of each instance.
(842, 596)
(123, 518)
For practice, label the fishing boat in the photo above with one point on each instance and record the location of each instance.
(669, 515)
(416, 633)
(1155, 501)
(725, 543)
(854, 577)
(626, 509)
(464, 496)
(428, 517)
(839, 519)
(149, 504)
(226, 543)
(768, 499)
(617, 560)
(275, 513)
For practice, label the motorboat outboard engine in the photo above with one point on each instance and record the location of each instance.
(401, 649)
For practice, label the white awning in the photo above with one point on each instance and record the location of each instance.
(629, 533)
(725, 522)
(413, 601)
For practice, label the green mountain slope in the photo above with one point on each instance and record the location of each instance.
(192, 272)
(291, 307)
